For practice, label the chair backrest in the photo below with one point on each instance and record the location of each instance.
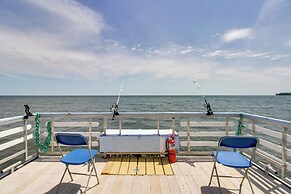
(71, 139)
(239, 141)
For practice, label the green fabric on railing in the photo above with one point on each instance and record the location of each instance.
(240, 125)
(42, 147)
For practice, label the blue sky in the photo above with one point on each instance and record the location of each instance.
(88, 47)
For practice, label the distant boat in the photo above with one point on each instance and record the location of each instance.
(283, 93)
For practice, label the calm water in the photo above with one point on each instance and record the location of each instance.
(273, 106)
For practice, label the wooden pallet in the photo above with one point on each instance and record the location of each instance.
(138, 166)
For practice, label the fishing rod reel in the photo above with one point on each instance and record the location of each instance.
(114, 110)
(208, 108)
(27, 112)
(206, 104)
(114, 107)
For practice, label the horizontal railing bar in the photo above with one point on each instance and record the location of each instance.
(14, 142)
(266, 131)
(206, 124)
(200, 143)
(10, 120)
(135, 114)
(75, 124)
(269, 156)
(12, 156)
(268, 120)
(205, 134)
(11, 167)
(271, 145)
(13, 131)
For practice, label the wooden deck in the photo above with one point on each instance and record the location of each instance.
(137, 166)
(191, 175)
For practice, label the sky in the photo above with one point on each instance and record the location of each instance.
(89, 47)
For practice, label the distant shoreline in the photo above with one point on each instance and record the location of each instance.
(283, 94)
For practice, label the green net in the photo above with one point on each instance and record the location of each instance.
(42, 147)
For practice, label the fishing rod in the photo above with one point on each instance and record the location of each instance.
(206, 104)
(114, 107)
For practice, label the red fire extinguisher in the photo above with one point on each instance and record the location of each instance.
(171, 149)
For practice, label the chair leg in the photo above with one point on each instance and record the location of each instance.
(94, 168)
(250, 183)
(67, 169)
(217, 178)
(248, 178)
(96, 173)
(214, 168)
(212, 171)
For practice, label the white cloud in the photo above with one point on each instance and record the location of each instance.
(246, 74)
(236, 34)
(66, 43)
(231, 54)
(70, 19)
(288, 42)
(271, 10)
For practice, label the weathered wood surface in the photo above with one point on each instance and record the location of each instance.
(191, 175)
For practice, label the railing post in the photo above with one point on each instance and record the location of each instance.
(173, 125)
(253, 128)
(53, 134)
(104, 125)
(90, 133)
(25, 139)
(284, 153)
(158, 126)
(254, 134)
(226, 126)
(188, 135)
(119, 126)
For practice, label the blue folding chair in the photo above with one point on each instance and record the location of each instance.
(78, 156)
(232, 158)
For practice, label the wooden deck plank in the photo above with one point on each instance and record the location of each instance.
(124, 166)
(165, 187)
(43, 177)
(132, 166)
(263, 183)
(167, 166)
(116, 166)
(150, 168)
(141, 166)
(127, 184)
(108, 166)
(136, 184)
(205, 176)
(174, 187)
(99, 188)
(183, 186)
(192, 170)
(107, 188)
(189, 179)
(117, 185)
(146, 185)
(158, 166)
(155, 184)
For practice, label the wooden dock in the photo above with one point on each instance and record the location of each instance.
(138, 166)
(190, 175)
